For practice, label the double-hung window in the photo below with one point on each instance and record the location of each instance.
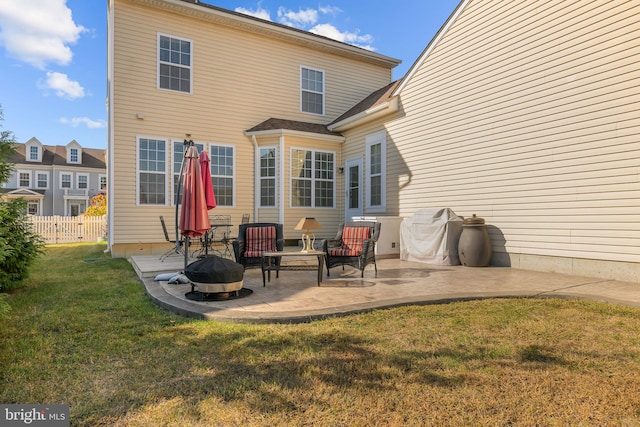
(312, 178)
(222, 173)
(74, 156)
(311, 90)
(24, 179)
(152, 171)
(83, 181)
(34, 153)
(42, 180)
(65, 180)
(267, 177)
(174, 63)
(376, 171)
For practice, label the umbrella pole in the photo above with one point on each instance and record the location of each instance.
(187, 143)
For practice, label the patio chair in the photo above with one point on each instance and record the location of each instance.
(354, 245)
(177, 249)
(256, 238)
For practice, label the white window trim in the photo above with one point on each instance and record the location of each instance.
(370, 140)
(100, 178)
(70, 180)
(79, 155)
(313, 179)
(190, 67)
(260, 177)
(78, 175)
(324, 90)
(166, 168)
(21, 171)
(28, 154)
(233, 176)
(45, 173)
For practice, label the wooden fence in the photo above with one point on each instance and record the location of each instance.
(70, 229)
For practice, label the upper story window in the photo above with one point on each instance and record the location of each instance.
(24, 179)
(312, 178)
(42, 180)
(103, 183)
(267, 177)
(74, 155)
(311, 90)
(34, 153)
(83, 181)
(222, 173)
(376, 171)
(65, 180)
(174, 63)
(152, 171)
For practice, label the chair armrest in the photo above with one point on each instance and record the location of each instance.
(368, 245)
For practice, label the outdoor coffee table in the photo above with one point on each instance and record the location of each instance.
(267, 265)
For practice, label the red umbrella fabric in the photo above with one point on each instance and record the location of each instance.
(205, 163)
(194, 216)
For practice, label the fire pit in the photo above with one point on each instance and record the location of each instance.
(215, 279)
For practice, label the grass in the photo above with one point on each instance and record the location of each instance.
(82, 332)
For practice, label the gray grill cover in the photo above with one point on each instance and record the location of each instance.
(214, 269)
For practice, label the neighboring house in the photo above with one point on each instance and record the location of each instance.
(56, 179)
(526, 113)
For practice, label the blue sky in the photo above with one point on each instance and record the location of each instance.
(53, 53)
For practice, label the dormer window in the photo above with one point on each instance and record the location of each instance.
(34, 153)
(73, 155)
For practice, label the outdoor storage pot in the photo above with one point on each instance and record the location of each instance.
(474, 246)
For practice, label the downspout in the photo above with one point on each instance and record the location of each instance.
(256, 183)
(281, 179)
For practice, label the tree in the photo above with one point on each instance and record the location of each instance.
(19, 246)
(97, 206)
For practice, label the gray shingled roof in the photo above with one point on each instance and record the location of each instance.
(380, 96)
(282, 124)
(56, 155)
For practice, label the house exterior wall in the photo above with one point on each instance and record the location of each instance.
(52, 198)
(240, 79)
(526, 113)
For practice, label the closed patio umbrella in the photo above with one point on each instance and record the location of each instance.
(209, 195)
(194, 216)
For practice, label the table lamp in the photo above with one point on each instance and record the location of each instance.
(308, 238)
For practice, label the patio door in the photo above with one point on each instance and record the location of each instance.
(353, 188)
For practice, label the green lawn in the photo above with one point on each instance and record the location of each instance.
(82, 332)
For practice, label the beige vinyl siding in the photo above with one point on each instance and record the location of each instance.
(526, 113)
(396, 173)
(239, 80)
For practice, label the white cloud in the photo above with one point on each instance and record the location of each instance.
(38, 31)
(89, 123)
(328, 30)
(63, 87)
(308, 19)
(300, 19)
(329, 10)
(258, 13)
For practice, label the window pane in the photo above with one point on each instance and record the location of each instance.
(301, 193)
(174, 58)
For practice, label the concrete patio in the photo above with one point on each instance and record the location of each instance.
(295, 296)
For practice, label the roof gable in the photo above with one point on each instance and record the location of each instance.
(432, 44)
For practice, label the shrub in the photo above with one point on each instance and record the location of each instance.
(19, 245)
